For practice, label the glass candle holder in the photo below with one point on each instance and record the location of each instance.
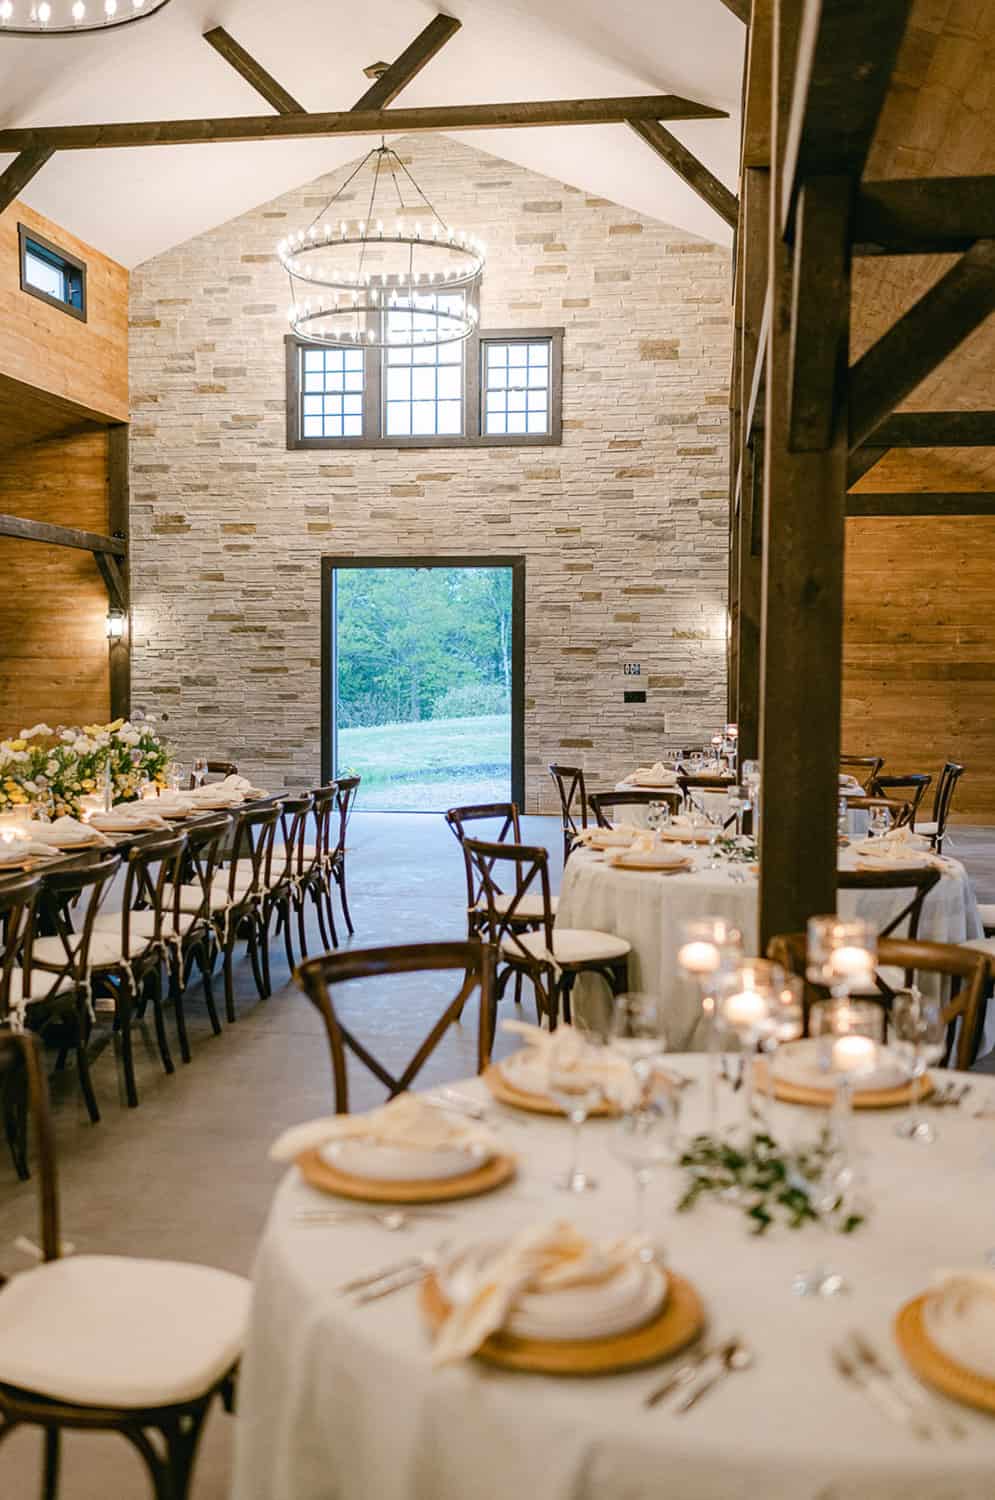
(841, 955)
(710, 947)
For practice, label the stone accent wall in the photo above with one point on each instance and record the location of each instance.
(623, 526)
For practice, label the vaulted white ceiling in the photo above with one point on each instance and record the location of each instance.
(132, 204)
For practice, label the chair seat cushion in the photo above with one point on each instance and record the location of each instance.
(926, 829)
(529, 908)
(571, 945)
(42, 987)
(987, 915)
(142, 924)
(221, 885)
(191, 897)
(105, 946)
(106, 1330)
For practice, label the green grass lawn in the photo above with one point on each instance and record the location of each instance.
(431, 750)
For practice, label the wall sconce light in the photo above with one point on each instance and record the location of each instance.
(115, 624)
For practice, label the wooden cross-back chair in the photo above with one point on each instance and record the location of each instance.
(551, 959)
(282, 895)
(910, 789)
(55, 983)
(314, 875)
(966, 969)
(206, 841)
(571, 789)
(129, 948)
(602, 804)
(239, 898)
(936, 827)
(17, 904)
(318, 977)
(864, 768)
(220, 768)
(107, 1343)
(346, 789)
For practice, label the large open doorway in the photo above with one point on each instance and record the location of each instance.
(423, 679)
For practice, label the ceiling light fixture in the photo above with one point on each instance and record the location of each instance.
(383, 281)
(72, 17)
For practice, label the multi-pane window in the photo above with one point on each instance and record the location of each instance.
(332, 383)
(497, 388)
(423, 388)
(516, 387)
(51, 274)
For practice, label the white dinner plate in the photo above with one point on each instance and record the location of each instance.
(600, 1310)
(960, 1321)
(798, 1063)
(381, 1163)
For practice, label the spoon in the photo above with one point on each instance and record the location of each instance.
(735, 1356)
(393, 1220)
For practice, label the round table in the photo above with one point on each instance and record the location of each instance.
(338, 1402)
(649, 909)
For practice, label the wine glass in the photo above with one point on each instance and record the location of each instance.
(653, 810)
(644, 1139)
(199, 771)
(786, 1022)
(737, 801)
(638, 1034)
(174, 776)
(880, 822)
(577, 1093)
(695, 759)
(918, 1025)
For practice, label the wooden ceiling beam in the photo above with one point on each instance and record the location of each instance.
(921, 339)
(937, 429)
(426, 44)
(861, 462)
(60, 536)
(846, 57)
(952, 503)
(253, 72)
(923, 215)
(360, 122)
(15, 178)
(688, 167)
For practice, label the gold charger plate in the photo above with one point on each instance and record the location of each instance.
(537, 1104)
(798, 1093)
(677, 1324)
(321, 1174)
(659, 867)
(684, 836)
(935, 1367)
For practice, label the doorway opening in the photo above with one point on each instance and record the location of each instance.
(423, 679)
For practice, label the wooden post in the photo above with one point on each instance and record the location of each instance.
(749, 594)
(803, 535)
(118, 518)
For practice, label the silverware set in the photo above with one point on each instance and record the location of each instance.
(706, 1368)
(732, 1074)
(455, 1103)
(392, 1278)
(894, 1392)
(392, 1219)
(949, 1095)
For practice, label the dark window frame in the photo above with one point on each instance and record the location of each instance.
(472, 437)
(26, 236)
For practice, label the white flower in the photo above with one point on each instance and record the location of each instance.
(68, 736)
(128, 736)
(38, 729)
(52, 768)
(83, 746)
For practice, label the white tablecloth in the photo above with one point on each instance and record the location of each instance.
(649, 909)
(340, 1403)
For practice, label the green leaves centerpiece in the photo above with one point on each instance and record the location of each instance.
(770, 1184)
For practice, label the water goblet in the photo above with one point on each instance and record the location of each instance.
(737, 800)
(918, 1025)
(695, 760)
(653, 816)
(199, 771)
(638, 1034)
(644, 1139)
(786, 1023)
(880, 822)
(577, 1094)
(745, 998)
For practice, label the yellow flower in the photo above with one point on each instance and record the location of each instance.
(91, 729)
(117, 724)
(18, 796)
(88, 784)
(18, 744)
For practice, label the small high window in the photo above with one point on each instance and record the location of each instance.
(516, 387)
(52, 274)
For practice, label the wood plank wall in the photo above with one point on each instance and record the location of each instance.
(53, 604)
(86, 363)
(919, 650)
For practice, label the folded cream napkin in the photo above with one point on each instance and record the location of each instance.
(656, 775)
(130, 815)
(243, 785)
(622, 833)
(217, 794)
(849, 783)
(960, 1319)
(551, 1258)
(62, 833)
(16, 852)
(897, 848)
(566, 1050)
(406, 1122)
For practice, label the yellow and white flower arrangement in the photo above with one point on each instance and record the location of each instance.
(52, 769)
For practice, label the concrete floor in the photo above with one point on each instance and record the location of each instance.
(186, 1175)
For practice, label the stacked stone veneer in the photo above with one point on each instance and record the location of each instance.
(623, 526)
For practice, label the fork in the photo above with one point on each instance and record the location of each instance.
(880, 1391)
(684, 1373)
(407, 1266)
(906, 1389)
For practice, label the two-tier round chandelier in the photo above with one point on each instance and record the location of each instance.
(387, 280)
(72, 17)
